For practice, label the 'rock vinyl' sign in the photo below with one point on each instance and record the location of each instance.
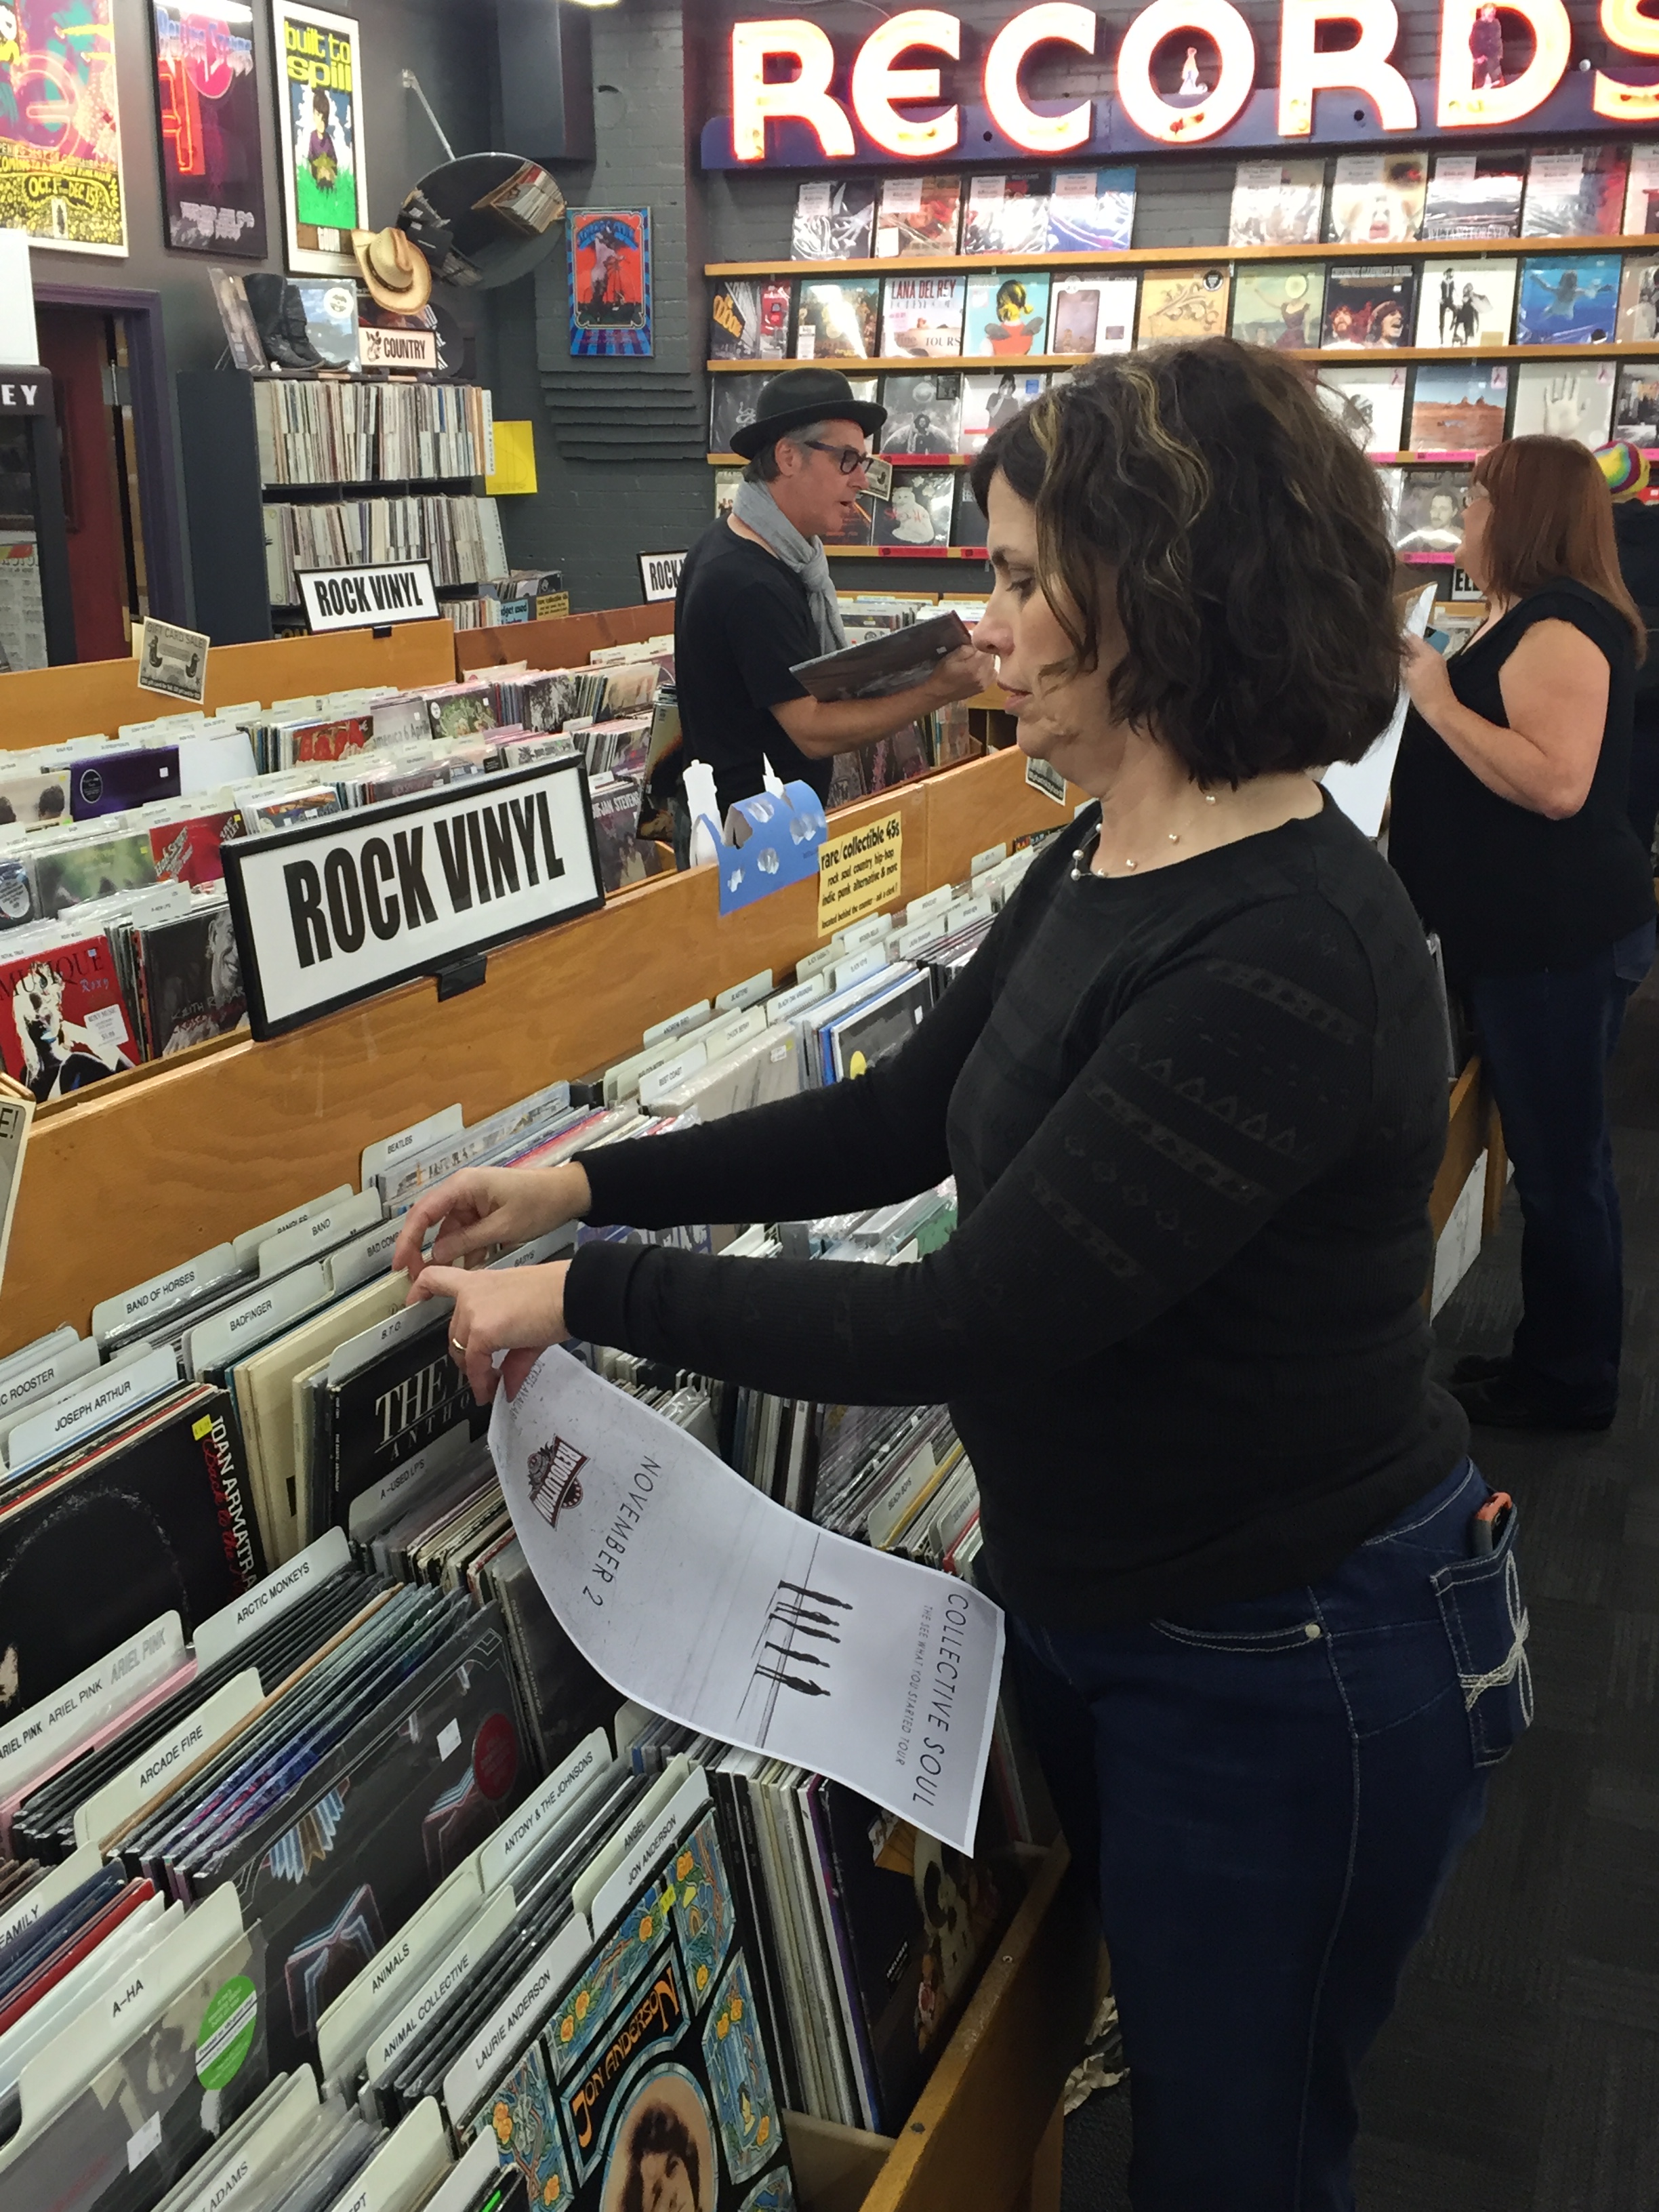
(333, 911)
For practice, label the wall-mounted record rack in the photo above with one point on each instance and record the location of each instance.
(1158, 257)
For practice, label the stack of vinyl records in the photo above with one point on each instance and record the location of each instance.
(340, 432)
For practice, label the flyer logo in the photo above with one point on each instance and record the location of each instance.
(553, 1478)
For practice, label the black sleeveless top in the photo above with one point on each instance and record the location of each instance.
(1509, 891)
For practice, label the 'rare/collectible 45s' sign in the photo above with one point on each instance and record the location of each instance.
(333, 911)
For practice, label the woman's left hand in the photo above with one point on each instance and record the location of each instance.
(1427, 679)
(519, 1310)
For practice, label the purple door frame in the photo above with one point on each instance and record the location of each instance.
(152, 424)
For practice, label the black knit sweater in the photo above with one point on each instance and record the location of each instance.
(1194, 1118)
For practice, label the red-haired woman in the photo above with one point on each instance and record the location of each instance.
(1510, 831)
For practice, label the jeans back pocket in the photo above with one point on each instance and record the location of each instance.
(1486, 1622)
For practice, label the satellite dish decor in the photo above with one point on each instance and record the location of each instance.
(483, 220)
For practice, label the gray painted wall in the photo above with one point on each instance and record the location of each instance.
(435, 38)
(620, 445)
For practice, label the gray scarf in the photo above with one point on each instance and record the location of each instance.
(756, 508)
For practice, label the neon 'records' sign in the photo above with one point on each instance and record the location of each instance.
(784, 69)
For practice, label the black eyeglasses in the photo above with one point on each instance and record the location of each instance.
(846, 458)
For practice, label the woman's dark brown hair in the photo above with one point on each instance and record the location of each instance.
(1246, 535)
(1552, 516)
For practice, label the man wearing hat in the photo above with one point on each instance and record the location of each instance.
(754, 597)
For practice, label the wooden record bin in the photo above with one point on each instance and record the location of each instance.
(149, 1168)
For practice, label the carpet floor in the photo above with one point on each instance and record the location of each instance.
(1521, 2070)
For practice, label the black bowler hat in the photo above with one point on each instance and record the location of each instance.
(805, 395)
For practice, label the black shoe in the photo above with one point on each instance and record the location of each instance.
(1478, 1367)
(1503, 1402)
(279, 315)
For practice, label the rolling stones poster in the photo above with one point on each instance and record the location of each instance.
(324, 182)
(208, 121)
(60, 130)
(609, 259)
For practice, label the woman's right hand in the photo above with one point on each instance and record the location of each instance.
(484, 1206)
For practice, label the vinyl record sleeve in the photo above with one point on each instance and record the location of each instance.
(1636, 405)
(1465, 303)
(924, 413)
(918, 1919)
(1638, 299)
(1473, 195)
(734, 319)
(838, 320)
(1429, 514)
(1568, 299)
(1564, 399)
(1376, 198)
(123, 2142)
(1370, 306)
(1278, 307)
(1575, 192)
(1006, 316)
(1091, 210)
(654, 2059)
(388, 1410)
(1182, 303)
(862, 1039)
(835, 219)
(335, 1872)
(988, 402)
(1006, 214)
(192, 981)
(922, 315)
(1369, 400)
(918, 214)
(1458, 407)
(1276, 203)
(919, 512)
(159, 1521)
(1091, 314)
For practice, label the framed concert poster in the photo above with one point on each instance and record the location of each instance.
(208, 117)
(609, 254)
(60, 128)
(320, 125)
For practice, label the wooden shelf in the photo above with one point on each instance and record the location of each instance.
(1153, 256)
(967, 461)
(994, 364)
(918, 364)
(41, 705)
(905, 552)
(186, 1153)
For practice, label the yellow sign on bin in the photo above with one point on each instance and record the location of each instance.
(860, 871)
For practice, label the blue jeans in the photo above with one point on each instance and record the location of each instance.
(1273, 1794)
(1546, 1039)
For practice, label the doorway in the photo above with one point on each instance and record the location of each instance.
(85, 348)
(122, 557)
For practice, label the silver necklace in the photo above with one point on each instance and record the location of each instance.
(1083, 856)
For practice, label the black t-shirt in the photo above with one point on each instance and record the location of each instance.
(1511, 892)
(741, 620)
(1195, 1117)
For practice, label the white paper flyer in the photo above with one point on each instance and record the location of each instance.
(692, 1593)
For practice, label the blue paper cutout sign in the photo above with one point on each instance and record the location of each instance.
(771, 841)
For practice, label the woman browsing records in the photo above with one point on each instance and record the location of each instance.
(1192, 1090)
(1511, 831)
